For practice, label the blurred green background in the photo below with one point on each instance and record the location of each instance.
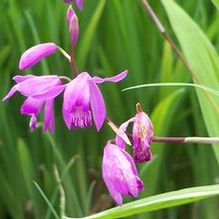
(114, 35)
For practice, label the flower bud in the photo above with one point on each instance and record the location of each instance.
(34, 54)
(73, 25)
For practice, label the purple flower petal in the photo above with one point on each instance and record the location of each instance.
(31, 106)
(10, 93)
(34, 54)
(76, 112)
(51, 93)
(49, 116)
(38, 85)
(97, 105)
(21, 78)
(114, 79)
(76, 90)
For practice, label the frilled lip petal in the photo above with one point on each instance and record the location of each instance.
(34, 54)
(97, 105)
(114, 79)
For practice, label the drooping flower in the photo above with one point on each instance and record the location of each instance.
(120, 174)
(82, 99)
(34, 54)
(39, 90)
(79, 3)
(142, 134)
(73, 26)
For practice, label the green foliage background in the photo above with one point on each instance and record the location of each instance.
(114, 35)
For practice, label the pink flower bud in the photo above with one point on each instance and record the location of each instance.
(73, 25)
(34, 54)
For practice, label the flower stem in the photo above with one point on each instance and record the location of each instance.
(121, 133)
(195, 140)
(166, 36)
(61, 191)
(64, 53)
(73, 63)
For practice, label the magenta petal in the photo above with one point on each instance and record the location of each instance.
(119, 141)
(11, 92)
(51, 93)
(97, 105)
(21, 78)
(114, 79)
(38, 85)
(76, 112)
(31, 106)
(34, 54)
(49, 116)
(76, 91)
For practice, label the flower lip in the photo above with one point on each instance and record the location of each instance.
(34, 54)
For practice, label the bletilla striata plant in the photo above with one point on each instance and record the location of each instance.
(83, 104)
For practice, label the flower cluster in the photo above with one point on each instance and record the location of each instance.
(82, 100)
(83, 104)
(118, 167)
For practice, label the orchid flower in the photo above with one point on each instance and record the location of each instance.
(120, 173)
(39, 90)
(79, 3)
(82, 99)
(142, 134)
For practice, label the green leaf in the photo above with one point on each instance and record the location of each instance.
(216, 3)
(202, 58)
(157, 202)
(204, 88)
